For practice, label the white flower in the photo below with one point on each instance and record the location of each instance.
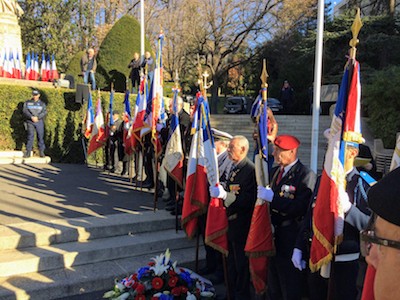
(109, 294)
(161, 263)
(190, 296)
(207, 294)
(119, 286)
(124, 296)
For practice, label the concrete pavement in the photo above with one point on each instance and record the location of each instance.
(42, 192)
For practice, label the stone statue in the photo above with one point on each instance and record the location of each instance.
(11, 7)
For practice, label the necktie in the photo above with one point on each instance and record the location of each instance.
(278, 179)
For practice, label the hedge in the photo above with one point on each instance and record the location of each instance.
(62, 123)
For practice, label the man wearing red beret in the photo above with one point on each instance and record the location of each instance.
(289, 195)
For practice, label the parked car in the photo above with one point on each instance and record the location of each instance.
(237, 105)
(275, 105)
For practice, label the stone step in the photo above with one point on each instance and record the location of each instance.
(83, 279)
(29, 234)
(59, 256)
(16, 157)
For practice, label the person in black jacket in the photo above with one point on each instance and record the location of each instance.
(347, 263)
(34, 111)
(292, 185)
(135, 72)
(239, 199)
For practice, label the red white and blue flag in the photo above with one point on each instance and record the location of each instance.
(89, 118)
(98, 134)
(328, 214)
(140, 108)
(17, 67)
(53, 70)
(43, 69)
(174, 151)
(260, 241)
(8, 65)
(28, 67)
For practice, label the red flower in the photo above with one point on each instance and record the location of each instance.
(176, 291)
(152, 263)
(184, 289)
(140, 289)
(171, 273)
(135, 285)
(157, 283)
(140, 297)
(173, 281)
(154, 298)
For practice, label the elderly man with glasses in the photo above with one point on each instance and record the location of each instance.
(380, 243)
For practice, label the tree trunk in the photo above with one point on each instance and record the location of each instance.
(214, 96)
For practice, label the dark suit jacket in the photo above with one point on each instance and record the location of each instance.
(241, 210)
(224, 167)
(291, 200)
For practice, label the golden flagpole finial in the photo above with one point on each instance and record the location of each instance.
(200, 75)
(355, 29)
(264, 77)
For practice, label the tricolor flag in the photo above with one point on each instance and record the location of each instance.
(89, 118)
(17, 68)
(35, 66)
(28, 67)
(328, 214)
(8, 65)
(48, 67)
(260, 241)
(98, 134)
(43, 69)
(128, 137)
(141, 107)
(202, 171)
(174, 151)
(53, 71)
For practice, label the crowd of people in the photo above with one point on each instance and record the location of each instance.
(291, 195)
(371, 212)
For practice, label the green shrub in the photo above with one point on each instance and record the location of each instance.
(62, 123)
(116, 51)
(382, 103)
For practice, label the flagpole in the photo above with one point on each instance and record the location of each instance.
(142, 29)
(317, 86)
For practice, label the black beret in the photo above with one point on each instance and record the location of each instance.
(384, 197)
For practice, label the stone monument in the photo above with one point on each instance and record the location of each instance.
(10, 31)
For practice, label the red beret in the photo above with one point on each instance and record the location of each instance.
(287, 142)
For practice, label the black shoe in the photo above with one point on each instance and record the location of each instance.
(174, 212)
(147, 184)
(123, 173)
(27, 154)
(170, 207)
(41, 154)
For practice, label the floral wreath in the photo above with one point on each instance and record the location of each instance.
(162, 280)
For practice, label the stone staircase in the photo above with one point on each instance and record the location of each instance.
(16, 157)
(69, 257)
(297, 125)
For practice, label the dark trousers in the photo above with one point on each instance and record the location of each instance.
(344, 284)
(31, 128)
(284, 280)
(238, 271)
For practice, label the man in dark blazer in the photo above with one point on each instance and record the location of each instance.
(239, 199)
(291, 189)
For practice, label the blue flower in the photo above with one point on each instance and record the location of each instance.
(166, 297)
(142, 271)
(186, 277)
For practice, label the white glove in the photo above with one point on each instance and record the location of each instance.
(265, 193)
(297, 260)
(344, 199)
(218, 192)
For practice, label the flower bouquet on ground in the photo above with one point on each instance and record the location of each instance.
(162, 280)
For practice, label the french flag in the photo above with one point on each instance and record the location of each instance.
(8, 65)
(2, 62)
(328, 215)
(174, 150)
(141, 105)
(98, 135)
(43, 69)
(17, 68)
(196, 196)
(53, 71)
(28, 67)
(89, 118)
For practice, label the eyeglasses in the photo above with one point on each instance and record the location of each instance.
(368, 237)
